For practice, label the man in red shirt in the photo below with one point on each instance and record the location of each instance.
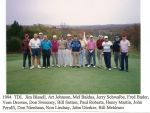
(54, 50)
(26, 51)
(100, 49)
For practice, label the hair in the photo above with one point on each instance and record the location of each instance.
(124, 34)
(75, 35)
(36, 35)
(26, 35)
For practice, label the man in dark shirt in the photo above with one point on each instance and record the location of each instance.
(76, 47)
(116, 51)
(100, 49)
(26, 51)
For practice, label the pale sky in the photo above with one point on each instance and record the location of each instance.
(73, 12)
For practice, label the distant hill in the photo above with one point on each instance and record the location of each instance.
(89, 27)
(100, 27)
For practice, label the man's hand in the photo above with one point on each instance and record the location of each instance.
(31, 53)
(127, 54)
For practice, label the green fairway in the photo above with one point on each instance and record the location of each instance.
(72, 80)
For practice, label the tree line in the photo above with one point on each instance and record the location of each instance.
(15, 33)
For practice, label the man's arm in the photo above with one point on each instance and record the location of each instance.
(128, 48)
(41, 48)
(50, 46)
(30, 47)
(80, 46)
(111, 46)
(30, 50)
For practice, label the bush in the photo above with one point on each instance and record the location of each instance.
(13, 45)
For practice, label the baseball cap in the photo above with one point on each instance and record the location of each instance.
(54, 36)
(100, 36)
(68, 34)
(106, 37)
(91, 36)
(40, 33)
(26, 35)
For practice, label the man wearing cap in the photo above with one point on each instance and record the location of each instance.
(34, 46)
(91, 46)
(82, 52)
(54, 51)
(46, 51)
(26, 51)
(107, 45)
(41, 36)
(124, 45)
(68, 58)
(62, 51)
(100, 49)
(75, 46)
(116, 52)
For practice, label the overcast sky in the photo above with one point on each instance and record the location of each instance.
(73, 12)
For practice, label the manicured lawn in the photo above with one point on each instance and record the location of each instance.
(72, 80)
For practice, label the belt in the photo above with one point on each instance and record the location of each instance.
(35, 48)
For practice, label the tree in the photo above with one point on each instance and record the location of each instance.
(13, 45)
(14, 35)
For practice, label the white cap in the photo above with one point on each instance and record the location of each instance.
(68, 34)
(91, 36)
(106, 37)
(40, 33)
(54, 36)
(100, 36)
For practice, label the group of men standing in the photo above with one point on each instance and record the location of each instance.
(75, 51)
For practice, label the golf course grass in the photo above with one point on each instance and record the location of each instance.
(72, 80)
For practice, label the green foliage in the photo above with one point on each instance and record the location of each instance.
(13, 45)
(14, 35)
(15, 30)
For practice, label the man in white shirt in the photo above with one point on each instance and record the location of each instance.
(107, 52)
(68, 58)
(34, 46)
(124, 45)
